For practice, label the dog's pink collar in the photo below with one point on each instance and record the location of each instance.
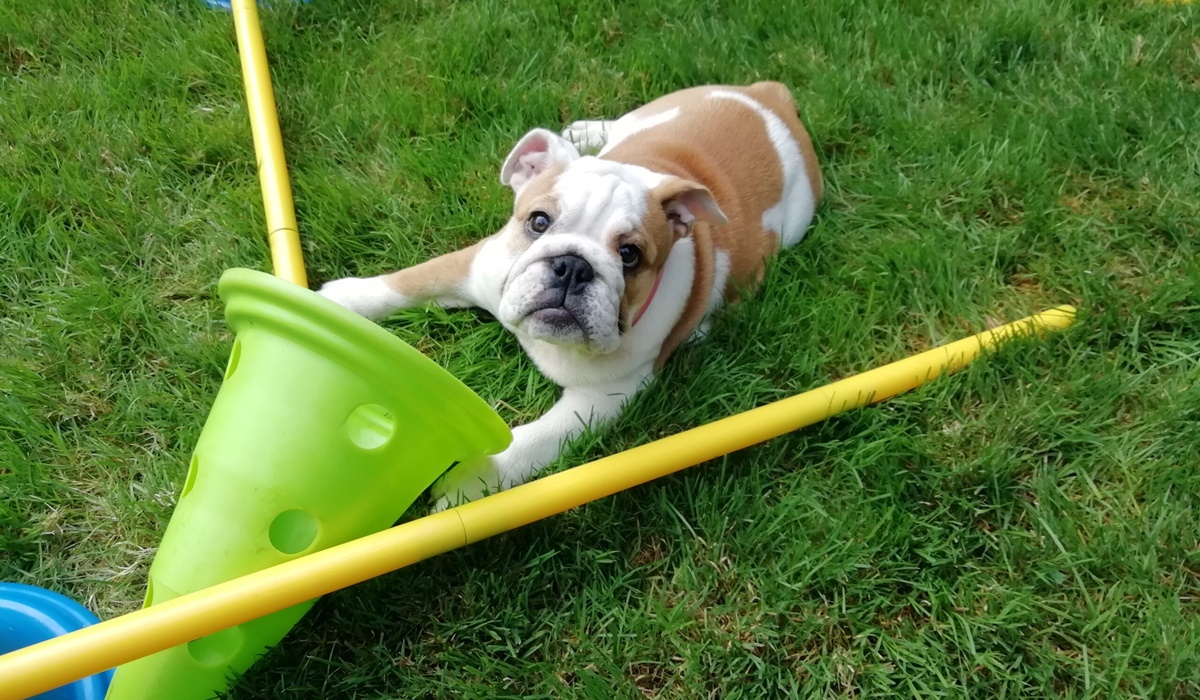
(637, 317)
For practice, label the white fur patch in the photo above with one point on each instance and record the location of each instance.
(794, 212)
(716, 295)
(631, 124)
(598, 196)
(370, 297)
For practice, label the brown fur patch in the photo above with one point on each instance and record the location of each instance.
(434, 278)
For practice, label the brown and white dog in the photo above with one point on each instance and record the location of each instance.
(610, 262)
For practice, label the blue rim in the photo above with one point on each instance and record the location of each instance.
(30, 614)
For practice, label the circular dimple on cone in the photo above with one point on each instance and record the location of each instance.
(293, 531)
(370, 426)
(217, 648)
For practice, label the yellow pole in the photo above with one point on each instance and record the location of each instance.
(93, 649)
(282, 233)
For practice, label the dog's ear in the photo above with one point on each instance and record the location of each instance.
(685, 202)
(536, 152)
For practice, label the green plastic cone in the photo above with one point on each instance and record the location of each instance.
(325, 429)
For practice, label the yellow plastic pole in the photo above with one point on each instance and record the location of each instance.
(282, 233)
(93, 649)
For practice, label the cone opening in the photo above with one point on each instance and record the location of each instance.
(216, 649)
(370, 426)
(258, 301)
(293, 531)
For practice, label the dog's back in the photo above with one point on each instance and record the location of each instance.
(748, 146)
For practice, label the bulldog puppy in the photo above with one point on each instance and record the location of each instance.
(610, 262)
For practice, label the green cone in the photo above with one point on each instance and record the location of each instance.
(325, 430)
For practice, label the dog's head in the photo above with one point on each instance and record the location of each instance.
(587, 240)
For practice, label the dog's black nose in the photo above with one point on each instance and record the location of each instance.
(571, 272)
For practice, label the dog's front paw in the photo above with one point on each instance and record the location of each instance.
(466, 482)
(587, 135)
(369, 296)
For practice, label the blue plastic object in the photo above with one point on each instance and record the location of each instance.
(227, 5)
(29, 614)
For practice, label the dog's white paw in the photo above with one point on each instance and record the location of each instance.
(369, 296)
(466, 482)
(587, 135)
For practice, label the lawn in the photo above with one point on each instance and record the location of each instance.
(1026, 528)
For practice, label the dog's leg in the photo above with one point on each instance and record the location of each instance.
(445, 281)
(538, 443)
(588, 135)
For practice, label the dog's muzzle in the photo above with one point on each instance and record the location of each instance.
(561, 301)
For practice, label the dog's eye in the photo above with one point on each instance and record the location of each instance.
(630, 256)
(539, 222)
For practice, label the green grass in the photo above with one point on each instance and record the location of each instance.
(1027, 528)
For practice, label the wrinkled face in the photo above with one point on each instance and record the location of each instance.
(591, 238)
(587, 240)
